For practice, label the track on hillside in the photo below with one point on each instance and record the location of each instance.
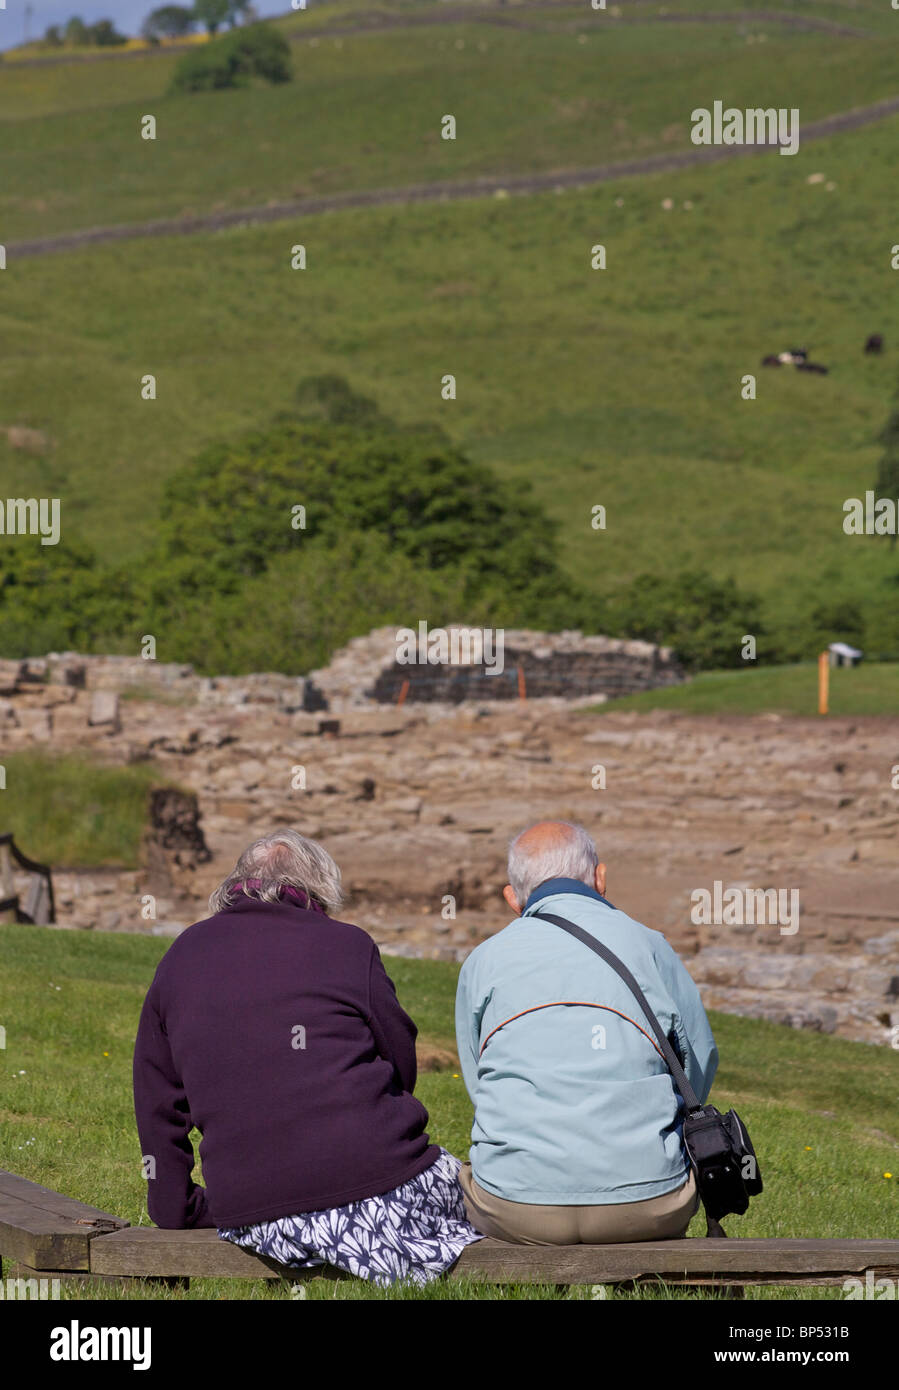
(502, 184)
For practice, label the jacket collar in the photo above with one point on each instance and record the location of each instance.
(296, 897)
(554, 886)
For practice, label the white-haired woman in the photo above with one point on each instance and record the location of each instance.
(275, 1030)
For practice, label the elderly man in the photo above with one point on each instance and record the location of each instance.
(275, 1030)
(577, 1127)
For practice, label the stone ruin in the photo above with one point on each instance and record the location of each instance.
(365, 674)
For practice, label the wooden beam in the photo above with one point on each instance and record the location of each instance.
(45, 1230)
(144, 1250)
(733, 1261)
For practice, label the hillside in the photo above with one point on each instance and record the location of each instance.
(619, 387)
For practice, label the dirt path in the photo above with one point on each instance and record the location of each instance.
(441, 191)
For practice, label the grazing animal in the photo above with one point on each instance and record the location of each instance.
(874, 343)
(796, 357)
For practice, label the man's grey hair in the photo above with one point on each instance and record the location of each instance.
(572, 856)
(283, 859)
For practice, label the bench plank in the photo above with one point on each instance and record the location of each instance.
(734, 1261)
(145, 1250)
(152, 1253)
(45, 1230)
(14, 1188)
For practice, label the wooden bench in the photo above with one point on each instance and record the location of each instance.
(45, 1235)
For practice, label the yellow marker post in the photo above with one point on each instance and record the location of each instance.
(823, 681)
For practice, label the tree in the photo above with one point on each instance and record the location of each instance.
(703, 618)
(75, 33)
(212, 13)
(168, 22)
(52, 36)
(105, 35)
(233, 60)
(239, 10)
(887, 484)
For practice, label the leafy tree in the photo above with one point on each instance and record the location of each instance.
(239, 10)
(212, 13)
(76, 33)
(54, 598)
(52, 36)
(230, 511)
(306, 604)
(704, 619)
(836, 620)
(260, 51)
(233, 60)
(105, 35)
(169, 22)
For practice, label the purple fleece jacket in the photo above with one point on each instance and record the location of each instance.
(276, 1031)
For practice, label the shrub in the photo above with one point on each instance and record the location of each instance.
(58, 597)
(702, 618)
(257, 51)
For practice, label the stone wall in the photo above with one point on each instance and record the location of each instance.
(578, 668)
(366, 672)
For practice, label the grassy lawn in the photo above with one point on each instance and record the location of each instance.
(822, 1111)
(780, 690)
(69, 810)
(365, 112)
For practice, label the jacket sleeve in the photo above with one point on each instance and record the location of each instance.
(174, 1200)
(700, 1053)
(468, 1030)
(392, 1028)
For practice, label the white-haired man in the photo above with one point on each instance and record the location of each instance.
(275, 1030)
(577, 1135)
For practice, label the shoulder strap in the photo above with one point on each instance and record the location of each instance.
(691, 1100)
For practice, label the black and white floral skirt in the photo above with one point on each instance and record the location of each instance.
(415, 1232)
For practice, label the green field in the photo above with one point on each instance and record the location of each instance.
(74, 811)
(367, 114)
(779, 690)
(821, 1110)
(618, 387)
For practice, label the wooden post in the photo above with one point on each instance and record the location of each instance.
(823, 681)
(522, 691)
(404, 691)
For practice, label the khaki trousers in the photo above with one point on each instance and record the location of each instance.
(657, 1218)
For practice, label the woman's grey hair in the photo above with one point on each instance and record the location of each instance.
(283, 859)
(571, 855)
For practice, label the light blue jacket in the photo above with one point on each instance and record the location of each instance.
(574, 1104)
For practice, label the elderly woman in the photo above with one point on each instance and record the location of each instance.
(275, 1030)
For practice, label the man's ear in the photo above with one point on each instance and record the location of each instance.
(509, 895)
(600, 879)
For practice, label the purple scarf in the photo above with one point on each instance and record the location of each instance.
(251, 886)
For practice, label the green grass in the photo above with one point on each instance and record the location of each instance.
(778, 690)
(70, 810)
(619, 387)
(822, 1111)
(364, 112)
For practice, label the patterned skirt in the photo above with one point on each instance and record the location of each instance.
(415, 1232)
